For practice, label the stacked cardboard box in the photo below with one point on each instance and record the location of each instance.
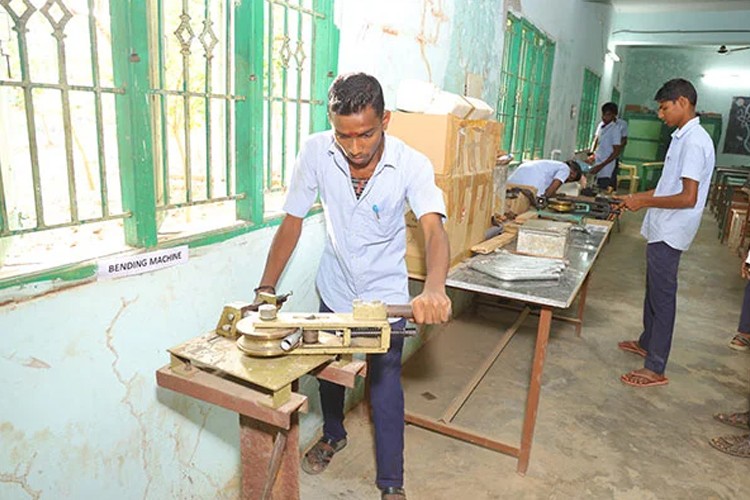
(463, 154)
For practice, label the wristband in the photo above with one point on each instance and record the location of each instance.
(265, 287)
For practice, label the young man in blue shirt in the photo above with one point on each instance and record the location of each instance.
(674, 213)
(364, 179)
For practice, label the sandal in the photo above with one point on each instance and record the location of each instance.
(392, 493)
(740, 342)
(638, 378)
(738, 419)
(739, 445)
(632, 346)
(317, 459)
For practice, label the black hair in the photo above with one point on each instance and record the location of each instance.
(351, 93)
(674, 89)
(576, 168)
(609, 107)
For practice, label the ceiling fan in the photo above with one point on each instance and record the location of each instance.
(724, 50)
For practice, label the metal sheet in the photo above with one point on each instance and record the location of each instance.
(582, 251)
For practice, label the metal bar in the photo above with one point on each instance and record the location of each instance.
(324, 63)
(297, 8)
(535, 387)
(4, 223)
(284, 82)
(274, 464)
(200, 202)
(207, 102)
(28, 100)
(269, 117)
(130, 60)
(186, 107)
(57, 86)
(284, 99)
(228, 111)
(67, 224)
(457, 403)
(298, 117)
(62, 75)
(164, 126)
(94, 52)
(463, 434)
(581, 304)
(201, 95)
(248, 119)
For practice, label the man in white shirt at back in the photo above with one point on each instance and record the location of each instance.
(609, 141)
(545, 175)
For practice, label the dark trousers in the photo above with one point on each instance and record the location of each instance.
(745, 314)
(387, 402)
(660, 304)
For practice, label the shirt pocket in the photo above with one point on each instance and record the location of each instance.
(384, 221)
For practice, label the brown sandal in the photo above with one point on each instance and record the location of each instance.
(738, 419)
(317, 459)
(738, 446)
(632, 346)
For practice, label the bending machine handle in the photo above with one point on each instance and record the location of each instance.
(399, 311)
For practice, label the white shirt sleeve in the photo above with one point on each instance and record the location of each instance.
(303, 188)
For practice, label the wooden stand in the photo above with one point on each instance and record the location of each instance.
(269, 430)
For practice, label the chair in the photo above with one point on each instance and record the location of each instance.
(628, 173)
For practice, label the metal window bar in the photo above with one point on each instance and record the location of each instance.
(524, 97)
(206, 41)
(284, 98)
(58, 15)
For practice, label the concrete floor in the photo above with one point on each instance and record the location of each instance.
(595, 437)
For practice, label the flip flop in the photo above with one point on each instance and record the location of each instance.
(740, 342)
(632, 346)
(738, 419)
(738, 445)
(637, 379)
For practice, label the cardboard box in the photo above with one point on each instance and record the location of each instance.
(453, 145)
(469, 203)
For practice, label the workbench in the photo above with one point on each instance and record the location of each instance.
(262, 391)
(546, 296)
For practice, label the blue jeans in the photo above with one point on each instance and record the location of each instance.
(660, 304)
(387, 402)
(745, 313)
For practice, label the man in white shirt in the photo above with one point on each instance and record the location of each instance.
(364, 178)
(545, 175)
(609, 141)
(674, 213)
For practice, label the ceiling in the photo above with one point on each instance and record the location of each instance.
(667, 5)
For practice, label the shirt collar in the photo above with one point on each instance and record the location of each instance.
(685, 128)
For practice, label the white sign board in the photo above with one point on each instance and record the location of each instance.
(128, 265)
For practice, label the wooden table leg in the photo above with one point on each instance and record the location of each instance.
(257, 441)
(535, 385)
(582, 304)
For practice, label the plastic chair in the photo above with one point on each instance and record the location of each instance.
(628, 173)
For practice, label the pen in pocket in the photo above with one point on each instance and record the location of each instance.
(377, 212)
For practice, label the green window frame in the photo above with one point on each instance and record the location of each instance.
(616, 97)
(587, 113)
(523, 101)
(180, 114)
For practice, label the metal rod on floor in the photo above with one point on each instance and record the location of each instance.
(458, 402)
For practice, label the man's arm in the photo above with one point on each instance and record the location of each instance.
(552, 188)
(687, 198)
(616, 150)
(433, 305)
(283, 245)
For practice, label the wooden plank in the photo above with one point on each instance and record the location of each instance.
(489, 246)
(345, 373)
(231, 395)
